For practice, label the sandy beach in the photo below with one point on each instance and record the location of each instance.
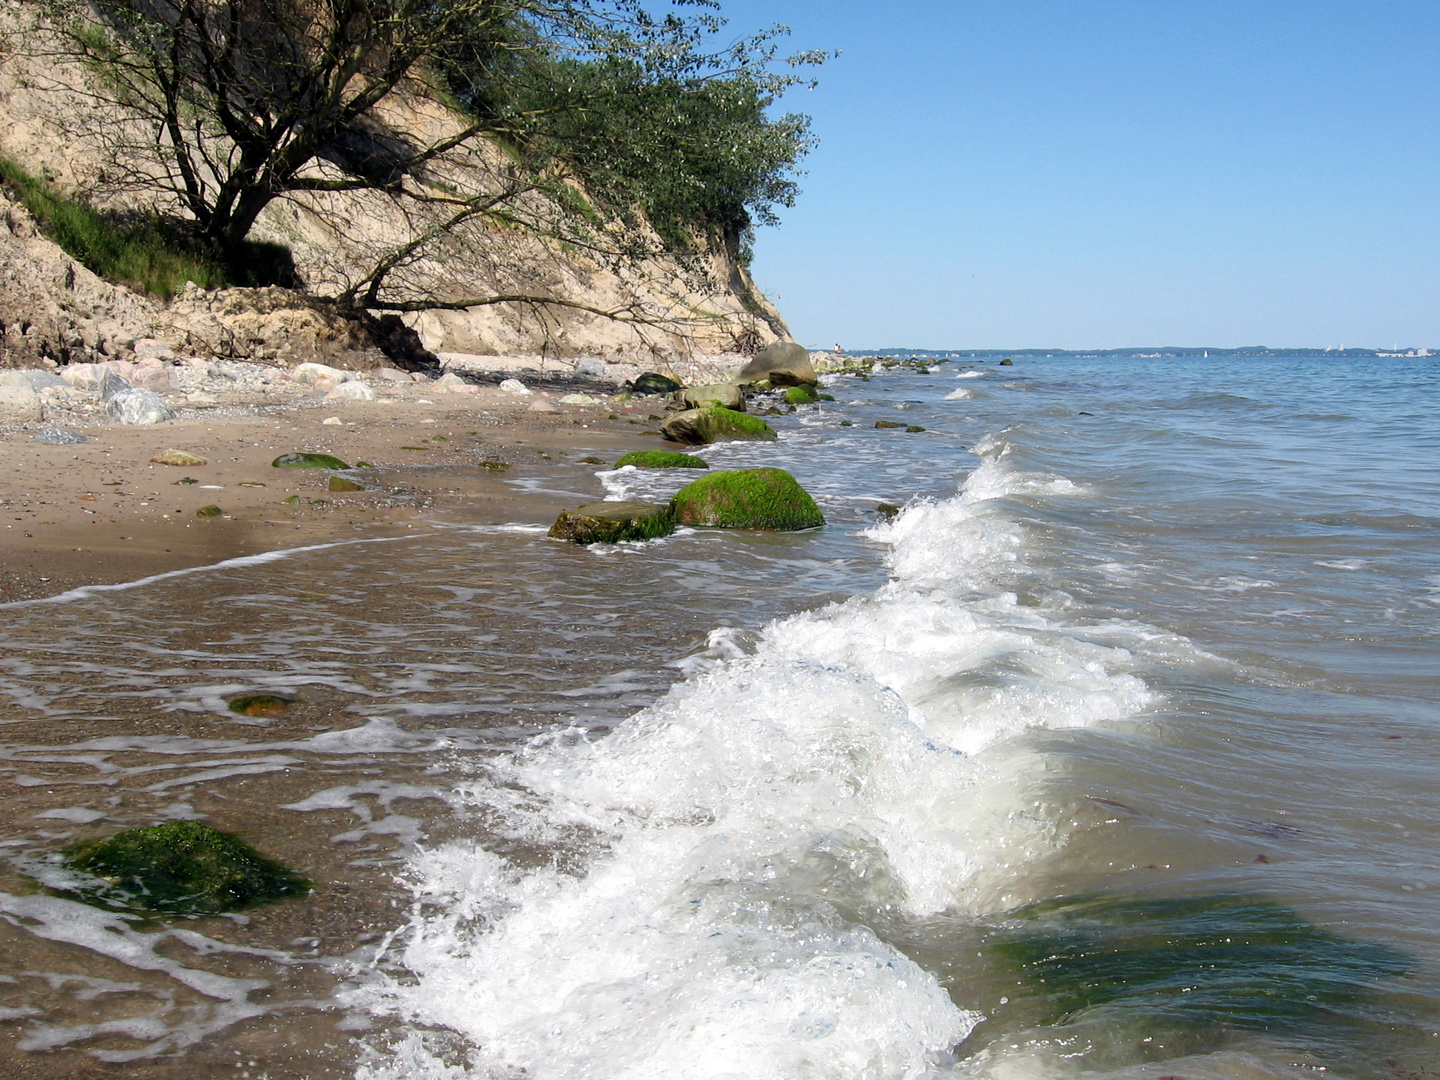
(104, 511)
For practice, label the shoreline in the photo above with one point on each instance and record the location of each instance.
(102, 512)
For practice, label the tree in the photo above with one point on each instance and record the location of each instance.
(568, 120)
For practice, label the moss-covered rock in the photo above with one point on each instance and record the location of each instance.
(308, 461)
(702, 426)
(261, 704)
(803, 394)
(209, 511)
(653, 383)
(726, 395)
(341, 483)
(613, 522)
(183, 868)
(888, 424)
(747, 499)
(661, 459)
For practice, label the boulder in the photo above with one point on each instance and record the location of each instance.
(139, 406)
(613, 522)
(181, 868)
(726, 395)
(592, 366)
(351, 391)
(747, 499)
(781, 363)
(515, 386)
(179, 457)
(309, 372)
(661, 459)
(20, 405)
(152, 377)
(579, 399)
(652, 383)
(111, 384)
(34, 378)
(83, 376)
(714, 424)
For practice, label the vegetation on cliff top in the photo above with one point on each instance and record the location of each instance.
(612, 121)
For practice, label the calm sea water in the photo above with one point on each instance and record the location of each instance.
(1115, 754)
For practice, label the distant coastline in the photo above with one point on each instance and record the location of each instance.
(1155, 353)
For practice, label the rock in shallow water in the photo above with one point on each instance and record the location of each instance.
(660, 459)
(139, 406)
(613, 522)
(308, 461)
(781, 363)
(722, 394)
(182, 868)
(701, 426)
(747, 499)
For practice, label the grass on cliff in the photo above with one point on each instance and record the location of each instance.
(145, 254)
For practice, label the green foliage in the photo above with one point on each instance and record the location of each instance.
(183, 868)
(143, 253)
(748, 499)
(1237, 960)
(661, 459)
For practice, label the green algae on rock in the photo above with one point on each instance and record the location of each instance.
(747, 499)
(182, 868)
(261, 704)
(209, 511)
(340, 483)
(661, 459)
(614, 522)
(308, 461)
(715, 424)
(803, 394)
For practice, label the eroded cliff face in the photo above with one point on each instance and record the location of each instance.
(52, 308)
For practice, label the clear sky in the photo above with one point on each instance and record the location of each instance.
(1084, 174)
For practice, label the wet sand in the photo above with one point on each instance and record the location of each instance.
(103, 512)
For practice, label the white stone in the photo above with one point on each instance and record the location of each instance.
(332, 421)
(308, 373)
(464, 388)
(450, 379)
(541, 404)
(578, 399)
(83, 376)
(515, 386)
(139, 406)
(351, 391)
(20, 405)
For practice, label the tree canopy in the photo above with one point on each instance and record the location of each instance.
(597, 123)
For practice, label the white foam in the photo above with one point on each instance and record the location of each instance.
(712, 868)
(960, 393)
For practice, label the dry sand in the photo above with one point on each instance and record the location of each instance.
(103, 511)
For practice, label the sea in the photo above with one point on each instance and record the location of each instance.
(1096, 735)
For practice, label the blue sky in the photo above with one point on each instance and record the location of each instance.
(1089, 174)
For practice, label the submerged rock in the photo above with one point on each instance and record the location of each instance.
(139, 406)
(781, 363)
(661, 459)
(340, 483)
(261, 704)
(653, 383)
(183, 868)
(747, 499)
(308, 461)
(612, 522)
(726, 395)
(701, 426)
(887, 424)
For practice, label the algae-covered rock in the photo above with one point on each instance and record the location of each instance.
(726, 395)
(613, 522)
(701, 426)
(888, 424)
(308, 461)
(781, 363)
(179, 457)
(341, 483)
(661, 459)
(209, 511)
(803, 394)
(651, 383)
(261, 704)
(747, 499)
(183, 868)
